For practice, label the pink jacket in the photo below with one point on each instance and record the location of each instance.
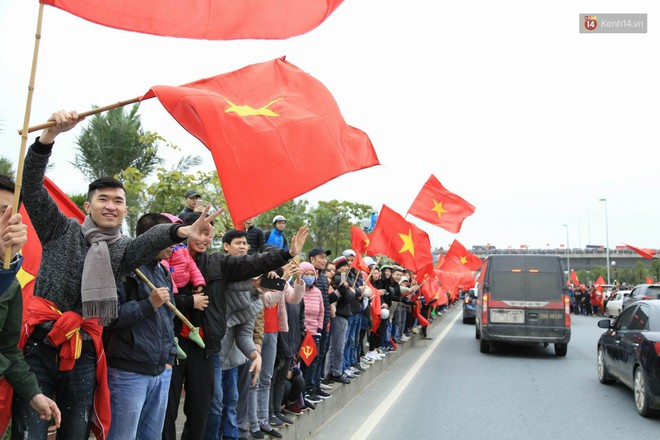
(184, 269)
(291, 295)
(314, 310)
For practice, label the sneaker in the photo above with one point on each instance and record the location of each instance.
(342, 379)
(356, 372)
(309, 405)
(275, 421)
(257, 434)
(271, 432)
(359, 367)
(363, 365)
(404, 338)
(283, 419)
(313, 398)
(322, 394)
(324, 387)
(366, 360)
(327, 382)
(294, 409)
(415, 330)
(349, 374)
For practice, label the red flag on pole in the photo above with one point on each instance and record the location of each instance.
(574, 278)
(400, 240)
(438, 206)
(205, 19)
(359, 240)
(646, 253)
(375, 307)
(599, 282)
(277, 114)
(308, 349)
(465, 257)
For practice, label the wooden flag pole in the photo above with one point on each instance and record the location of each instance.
(26, 122)
(82, 115)
(194, 331)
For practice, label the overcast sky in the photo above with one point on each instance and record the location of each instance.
(506, 103)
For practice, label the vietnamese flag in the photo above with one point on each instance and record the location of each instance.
(359, 263)
(263, 124)
(359, 240)
(574, 278)
(308, 349)
(400, 240)
(646, 253)
(599, 282)
(426, 278)
(205, 19)
(466, 257)
(649, 280)
(454, 273)
(438, 206)
(375, 307)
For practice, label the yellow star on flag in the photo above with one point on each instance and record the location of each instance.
(464, 260)
(366, 242)
(437, 207)
(246, 110)
(408, 244)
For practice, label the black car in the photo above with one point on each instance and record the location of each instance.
(470, 306)
(629, 351)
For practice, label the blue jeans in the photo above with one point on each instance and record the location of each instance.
(74, 390)
(138, 403)
(222, 422)
(349, 348)
(259, 395)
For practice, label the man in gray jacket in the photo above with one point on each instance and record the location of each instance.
(80, 270)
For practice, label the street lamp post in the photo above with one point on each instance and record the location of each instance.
(607, 241)
(568, 252)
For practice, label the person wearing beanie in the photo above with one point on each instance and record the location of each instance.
(314, 315)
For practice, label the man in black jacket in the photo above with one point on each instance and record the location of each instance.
(218, 270)
(255, 236)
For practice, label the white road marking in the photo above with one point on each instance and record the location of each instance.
(376, 415)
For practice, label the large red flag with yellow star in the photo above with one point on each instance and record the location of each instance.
(438, 206)
(274, 132)
(426, 277)
(400, 240)
(465, 257)
(205, 19)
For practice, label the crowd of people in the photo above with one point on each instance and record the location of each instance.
(591, 300)
(104, 349)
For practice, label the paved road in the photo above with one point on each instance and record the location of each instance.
(449, 389)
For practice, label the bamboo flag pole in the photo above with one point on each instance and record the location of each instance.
(82, 115)
(26, 122)
(370, 273)
(194, 331)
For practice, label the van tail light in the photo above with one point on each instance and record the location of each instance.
(657, 348)
(649, 297)
(567, 311)
(484, 312)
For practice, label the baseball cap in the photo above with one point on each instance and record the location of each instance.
(192, 193)
(318, 251)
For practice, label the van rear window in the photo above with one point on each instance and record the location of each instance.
(525, 286)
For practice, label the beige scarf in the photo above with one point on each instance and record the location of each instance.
(98, 287)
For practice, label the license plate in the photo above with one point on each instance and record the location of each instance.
(506, 316)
